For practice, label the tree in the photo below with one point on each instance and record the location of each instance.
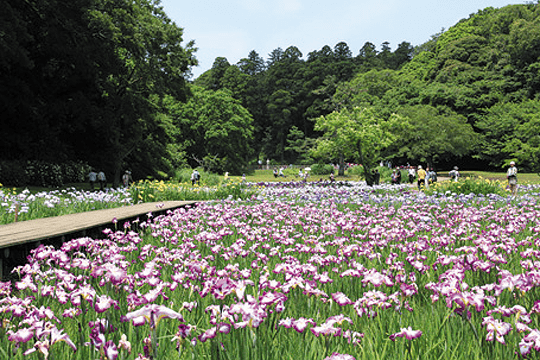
(435, 135)
(236, 81)
(402, 55)
(142, 56)
(252, 65)
(84, 79)
(275, 56)
(280, 109)
(215, 130)
(359, 134)
(219, 68)
(510, 132)
(385, 55)
(298, 146)
(367, 57)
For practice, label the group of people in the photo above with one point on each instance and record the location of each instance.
(424, 178)
(101, 179)
(429, 176)
(97, 178)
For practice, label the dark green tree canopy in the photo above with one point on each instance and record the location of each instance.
(102, 81)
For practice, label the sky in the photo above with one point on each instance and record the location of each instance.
(233, 28)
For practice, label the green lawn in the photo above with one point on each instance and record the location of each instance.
(291, 175)
(529, 178)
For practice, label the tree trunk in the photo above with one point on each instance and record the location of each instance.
(365, 166)
(341, 171)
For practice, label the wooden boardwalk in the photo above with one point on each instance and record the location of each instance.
(53, 227)
(21, 236)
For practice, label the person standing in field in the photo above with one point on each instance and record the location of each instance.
(126, 178)
(432, 176)
(421, 177)
(454, 174)
(412, 174)
(511, 175)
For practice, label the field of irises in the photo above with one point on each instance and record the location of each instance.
(297, 271)
(27, 205)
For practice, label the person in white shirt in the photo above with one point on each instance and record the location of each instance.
(511, 175)
(412, 174)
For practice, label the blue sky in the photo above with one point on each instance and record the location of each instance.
(232, 28)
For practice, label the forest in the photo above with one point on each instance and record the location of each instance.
(108, 84)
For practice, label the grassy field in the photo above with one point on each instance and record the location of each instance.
(267, 176)
(530, 178)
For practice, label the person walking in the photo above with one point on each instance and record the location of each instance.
(102, 180)
(92, 177)
(511, 175)
(432, 176)
(421, 177)
(376, 177)
(427, 180)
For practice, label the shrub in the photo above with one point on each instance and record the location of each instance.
(74, 172)
(322, 169)
(42, 173)
(356, 170)
(470, 186)
(12, 173)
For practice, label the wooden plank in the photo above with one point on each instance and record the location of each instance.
(51, 227)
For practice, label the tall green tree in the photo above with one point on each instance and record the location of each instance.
(434, 135)
(142, 56)
(83, 80)
(359, 134)
(253, 64)
(510, 131)
(215, 130)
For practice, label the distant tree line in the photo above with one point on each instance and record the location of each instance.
(106, 82)
(468, 95)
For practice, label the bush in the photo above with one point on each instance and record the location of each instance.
(41, 173)
(75, 172)
(12, 173)
(469, 185)
(355, 170)
(44, 174)
(322, 169)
